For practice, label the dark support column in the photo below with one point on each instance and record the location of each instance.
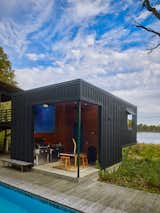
(79, 137)
(5, 141)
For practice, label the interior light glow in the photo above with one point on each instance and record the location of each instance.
(45, 105)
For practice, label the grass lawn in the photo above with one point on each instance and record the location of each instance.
(140, 168)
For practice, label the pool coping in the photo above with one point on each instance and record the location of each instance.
(57, 205)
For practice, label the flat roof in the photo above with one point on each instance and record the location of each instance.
(66, 83)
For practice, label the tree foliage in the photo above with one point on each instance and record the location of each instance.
(150, 6)
(7, 75)
(148, 128)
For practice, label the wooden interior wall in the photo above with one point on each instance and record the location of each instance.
(66, 115)
(90, 126)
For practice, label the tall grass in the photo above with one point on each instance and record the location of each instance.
(140, 168)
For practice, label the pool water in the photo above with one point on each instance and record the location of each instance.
(13, 201)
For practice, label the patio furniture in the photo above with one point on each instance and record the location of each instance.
(68, 155)
(57, 149)
(51, 151)
(19, 163)
(83, 158)
(37, 153)
(65, 160)
(41, 153)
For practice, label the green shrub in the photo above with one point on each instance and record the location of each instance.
(140, 168)
(98, 165)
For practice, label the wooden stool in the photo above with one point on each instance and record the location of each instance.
(84, 160)
(66, 161)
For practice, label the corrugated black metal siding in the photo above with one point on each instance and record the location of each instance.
(114, 130)
(22, 128)
(113, 127)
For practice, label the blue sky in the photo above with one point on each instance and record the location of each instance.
(58, 40)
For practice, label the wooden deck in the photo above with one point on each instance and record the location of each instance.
(56, 169)
(90, 196)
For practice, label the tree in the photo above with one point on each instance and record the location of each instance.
(150, 7)
(6, 73)
(148, 128)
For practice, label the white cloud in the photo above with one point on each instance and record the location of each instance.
(82, 9)
(143, 16)
(14, 33)
(135, 79)
(35, 57)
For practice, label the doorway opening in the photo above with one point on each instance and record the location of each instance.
(56, 135)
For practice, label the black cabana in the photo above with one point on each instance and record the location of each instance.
(113, 113)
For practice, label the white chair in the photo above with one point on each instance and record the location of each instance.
(37, 153)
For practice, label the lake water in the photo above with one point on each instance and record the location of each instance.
(148, 137)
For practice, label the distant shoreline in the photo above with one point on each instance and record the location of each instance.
(149, 131)
(148, 128)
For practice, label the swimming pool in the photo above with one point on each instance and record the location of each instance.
(14, 201)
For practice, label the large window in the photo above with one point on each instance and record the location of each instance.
(130, 121)
(44, 118)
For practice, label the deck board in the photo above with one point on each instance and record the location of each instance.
(88, 196)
